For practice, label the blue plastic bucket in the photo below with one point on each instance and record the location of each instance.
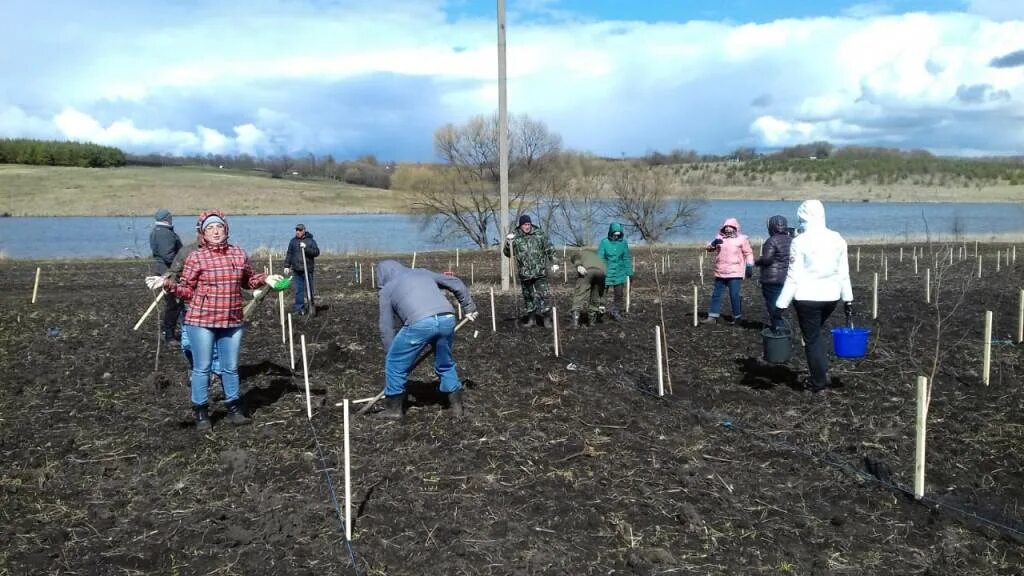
(850, 342)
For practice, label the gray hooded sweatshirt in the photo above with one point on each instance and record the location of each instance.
(411, 295)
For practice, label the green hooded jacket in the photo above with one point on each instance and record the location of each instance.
(616, 256)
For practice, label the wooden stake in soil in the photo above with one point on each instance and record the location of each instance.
(915, 263)
(998, 258)
(627, 293)
(874, 300)
(373, 277)
(700, 267)
(305, 377)
(858, 258)
(459, 307)
(456, 257)
(885, 268)
(413, 260)
(494, 319)
(1020, 319)
(291, 342)
(979, 266)
(986, 363)
(35, 286)
(696, 322)
(565, 272)
(657, 359)
(928, 285)
(554, 325)
(472, 274)
(921, 434)
(348, 477)
(901, 254)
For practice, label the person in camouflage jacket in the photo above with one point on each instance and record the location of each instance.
(533, 253)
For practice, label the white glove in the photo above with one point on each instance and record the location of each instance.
(511, 236)
(471, 316)
(287, 272)
(258, 293)
(555, 268)
(302, 245)
(581, 270)
(273, 279)
(154, 282)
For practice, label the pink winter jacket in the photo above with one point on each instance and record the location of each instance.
(733, 254)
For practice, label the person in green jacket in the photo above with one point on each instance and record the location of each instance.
(587, 298)
(533, 254)
(619, 264)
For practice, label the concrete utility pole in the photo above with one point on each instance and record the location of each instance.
(502, 145)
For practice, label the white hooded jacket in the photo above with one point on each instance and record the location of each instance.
(819, 268)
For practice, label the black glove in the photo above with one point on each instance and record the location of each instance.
(716, 242)
(749, 273)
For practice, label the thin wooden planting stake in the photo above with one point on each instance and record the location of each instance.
(986, 363)
(921, 434)
(657, 359)
(885, 268)
(305, 377)
(695, 321)
(979, 266)
(928, 285)
(35, 286)
(901, 254)
(494, 319)
(950, 255)
(858, 258)
(472, 274)
(291, 342)
(456, 257)
(1020, 319)
(915, 263)
(700, 266)
(565, 272)
(554, 324)
(459, 308)
(348, 476)
(373, 277)
(874, 300)
(413, 260)
(998, 258)
(1015, 254)
(627, 293)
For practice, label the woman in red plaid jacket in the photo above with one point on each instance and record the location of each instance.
(212, 282)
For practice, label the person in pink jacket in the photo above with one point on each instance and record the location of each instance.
(734, 261)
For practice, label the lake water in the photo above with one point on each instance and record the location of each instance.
(127, 237)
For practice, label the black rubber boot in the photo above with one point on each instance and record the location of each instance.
(615, 314)
(528, 321)
(236, 413)
(455, 403)
(575, 320)
(393, 407)
(202, 415)
(544, 319)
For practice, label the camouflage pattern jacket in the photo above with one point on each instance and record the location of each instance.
(533, 252)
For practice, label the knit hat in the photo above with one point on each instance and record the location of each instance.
(163, 215)
(213, 219)
(525, 219)
(300, 227)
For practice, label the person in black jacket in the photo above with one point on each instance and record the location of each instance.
(298, 262)
(165, 243)
(774, 264)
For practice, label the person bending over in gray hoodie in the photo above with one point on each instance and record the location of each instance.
(411, 299)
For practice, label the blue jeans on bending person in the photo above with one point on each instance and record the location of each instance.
(721, 284)
(299, 279)
(227, 342)
(436, 331)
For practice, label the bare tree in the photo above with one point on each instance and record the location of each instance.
(461, 199)
(647, 202)
(577, 201)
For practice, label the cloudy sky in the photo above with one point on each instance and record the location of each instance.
(353, 77)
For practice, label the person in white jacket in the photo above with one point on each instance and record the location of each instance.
(818, 278)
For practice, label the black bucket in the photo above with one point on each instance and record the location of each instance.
(778, 346)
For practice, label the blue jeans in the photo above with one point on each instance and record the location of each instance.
(436, 331)
(733, 284)
(771, 294)
(227, 342)
(186, 349)
(300, 291)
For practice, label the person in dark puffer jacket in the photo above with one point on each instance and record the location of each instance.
(774, 264)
